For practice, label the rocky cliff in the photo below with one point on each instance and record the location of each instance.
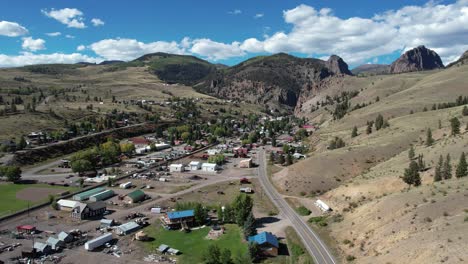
(417, 59)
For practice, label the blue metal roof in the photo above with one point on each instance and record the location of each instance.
(180, 214)
(265, 237)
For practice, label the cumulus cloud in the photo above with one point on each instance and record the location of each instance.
(71, 17)
(235, 12)
(69, 36)
(33, 44)
(259, 15)
(128, 49)
(12, 29)
(216, 50)
(81, 48)
(443, 28)
(97, 22)
(53, 34)
(28, 58)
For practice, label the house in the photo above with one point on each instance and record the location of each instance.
(299, 156)
(213, 152)
(127, 228)
(195, 165)
(178, 219)
(209, 167)
(55, 243)
(140, 142)
(188, 148)
(176, 168)
(91, 210)
(323, 206)
(43, 248)
(65, 237)
(105, 223)
(267, 242)
(247, 163)
(135, 196)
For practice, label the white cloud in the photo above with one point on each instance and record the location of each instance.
(259, 15)
(216, 50)
(53, 34)
(69, 36)
(33, 44)
(128, 49)
(12, 29)
(28, 58)
(81, 48)
(97, 22)
(71, 17)
(443, 28)
(235, 12)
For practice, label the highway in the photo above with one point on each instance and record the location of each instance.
(316, 247)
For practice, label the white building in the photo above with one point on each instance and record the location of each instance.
(323, 206)
(66, 205)
(299, 156)
(195, 165)
(212, 152)
(209, 167)
(176, 168)
(125, 185)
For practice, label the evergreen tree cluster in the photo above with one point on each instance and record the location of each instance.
(336, 143)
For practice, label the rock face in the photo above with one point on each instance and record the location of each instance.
(337, 65)
(276, 81)
(417, 59)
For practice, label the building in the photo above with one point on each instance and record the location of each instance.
(101, 196)
(105, 223)
(299, 156)
(323, 206)
(267, 242)
(209, 167)
(91, 210)
(213, 152)
(127, 228)
(125, 185)
(65, 237)
(178, 219)
(135, 196)
(85, 195)
(166, 249)
(246, 190)
(195, 165)
(55, 243)
(247, 163)
(140, 142)
(29, 229)
(66, 205)
(43, 248)
(176, 168)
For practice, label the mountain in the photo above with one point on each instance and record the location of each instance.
(171, 68)
(368, 69)
(461, 61)
(277, 80)
(417, 59)
(108, 62)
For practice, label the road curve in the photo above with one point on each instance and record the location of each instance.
(316, 247)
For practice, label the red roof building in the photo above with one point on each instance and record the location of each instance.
(26, 228)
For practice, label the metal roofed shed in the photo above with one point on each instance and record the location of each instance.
(135, 196)
(163, 248)
(85, 195)
(98, 241)
(101, 196)
(65, 237)
(55, 243)
(106, 223)
(180, 214)
(66, 205)
(42, 247)
(127, 228)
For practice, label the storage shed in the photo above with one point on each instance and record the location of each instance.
(195, 165)
(127, 228)
(176, 168)
(209, 167)
(85, 195)
(135, 196)
(101, 196)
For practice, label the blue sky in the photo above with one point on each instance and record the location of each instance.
(360, 31)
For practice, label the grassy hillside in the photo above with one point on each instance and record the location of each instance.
(381, 221)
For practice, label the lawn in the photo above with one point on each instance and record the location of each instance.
(9, 202)
(194, 244)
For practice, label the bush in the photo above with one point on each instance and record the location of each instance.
(302, 210)
(350, 258)
(319, 220)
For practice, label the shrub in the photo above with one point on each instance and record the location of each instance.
(302, 210)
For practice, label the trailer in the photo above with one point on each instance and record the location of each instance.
(323, 206)
(126, 185)
(98, 241)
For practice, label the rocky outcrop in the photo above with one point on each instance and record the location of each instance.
(461, 61)
(371, 69)
(417, 59)
(337, 65)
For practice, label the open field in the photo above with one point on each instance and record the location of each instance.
(194, 244)
(15, 197)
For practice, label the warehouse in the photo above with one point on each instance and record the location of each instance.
(135, 196)
(85, 195)
(127, 228)
(101, 196)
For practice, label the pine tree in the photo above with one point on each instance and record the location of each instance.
(421, 163)
(447, 169)
(355, 132)
(429, 139)
(455, 125)
(462, 169)
(289, 159)
(411, 153)
(249, 226)
(379, 121)
(438, 169)
(411, 176)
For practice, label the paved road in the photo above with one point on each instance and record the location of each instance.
(311, 240)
